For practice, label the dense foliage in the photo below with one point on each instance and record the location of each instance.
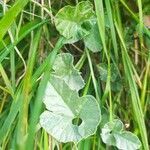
(74, 74)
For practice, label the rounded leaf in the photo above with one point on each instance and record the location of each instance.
(72, 22)
(63, 106)
(108, 129)
(113, 134)
(63, 67)
(127, 141)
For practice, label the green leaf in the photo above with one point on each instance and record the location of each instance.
(104, 117)
(24, 31)
(93, 40)
(113, 134)
(116, 81)
(65, 69)
(73, 22)
(127, 141)
(63, 107)
(103, 68)
(107, 135)
(147, 42)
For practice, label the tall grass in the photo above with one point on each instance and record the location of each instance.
(29, 44)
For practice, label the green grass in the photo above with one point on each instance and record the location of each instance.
(29, 44)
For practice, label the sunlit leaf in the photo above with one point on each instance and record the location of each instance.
(65, 69)
(127, 141)
(73, 22)
(107, 135)
(63, 106)
(113, 134)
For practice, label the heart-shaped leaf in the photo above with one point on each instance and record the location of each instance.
(73, 22)
(113, 134)
(64, 68)
(127, 141)
(64, 106)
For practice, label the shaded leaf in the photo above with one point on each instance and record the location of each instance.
(104, 117)
(116, 82)
(73, 22)
(102, 68)
(147, 42)
(64, 68)
(93, 40)
(63, 106)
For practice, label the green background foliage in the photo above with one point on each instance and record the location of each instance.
(74, 74)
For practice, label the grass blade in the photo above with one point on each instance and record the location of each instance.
(10, 15)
